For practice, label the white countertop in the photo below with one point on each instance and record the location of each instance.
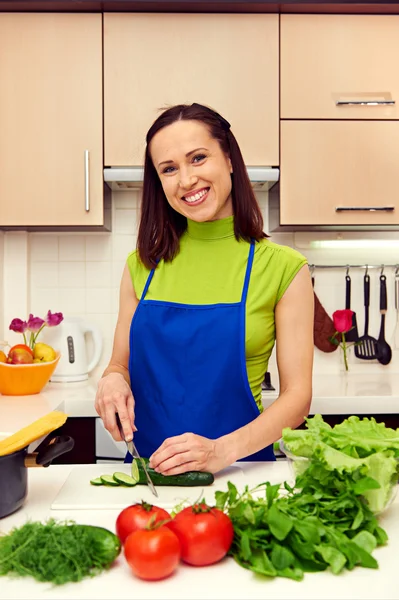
(225, 580)
(345, 394)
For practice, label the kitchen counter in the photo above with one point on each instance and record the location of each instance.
(225, 580)
(344, 394)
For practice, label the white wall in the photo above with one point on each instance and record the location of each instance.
(79, 275)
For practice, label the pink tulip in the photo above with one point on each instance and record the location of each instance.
(34, 323)
(18, 326)
(53, 319)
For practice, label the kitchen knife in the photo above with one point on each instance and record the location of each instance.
(136, 456)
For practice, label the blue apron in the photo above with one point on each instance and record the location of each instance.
(188, 370)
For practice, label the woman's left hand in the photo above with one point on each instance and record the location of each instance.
(188, 452)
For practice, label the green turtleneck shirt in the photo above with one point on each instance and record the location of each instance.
(210, 268)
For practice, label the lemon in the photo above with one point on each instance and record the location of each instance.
(44, 352)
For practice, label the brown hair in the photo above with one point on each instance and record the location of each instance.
(160, 225)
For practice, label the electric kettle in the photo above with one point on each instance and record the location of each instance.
(71, 339)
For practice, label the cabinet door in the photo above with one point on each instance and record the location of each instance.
(331, 62)
(50, 115)
(228, 62)
(329, 168)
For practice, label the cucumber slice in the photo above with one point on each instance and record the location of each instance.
(135, 471)
(97, 481)
(124, 479)
(108, 480)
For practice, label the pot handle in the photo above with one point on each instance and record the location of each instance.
(55, 447)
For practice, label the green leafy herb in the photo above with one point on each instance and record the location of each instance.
(321, 524)
(58, 552)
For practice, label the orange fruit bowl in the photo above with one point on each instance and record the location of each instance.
(24, 380)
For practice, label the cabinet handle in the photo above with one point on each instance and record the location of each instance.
(87, 182)
(367, 208)
(365, 102)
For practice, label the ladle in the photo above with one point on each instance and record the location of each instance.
(383, 351)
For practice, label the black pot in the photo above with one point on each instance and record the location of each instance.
(14, 473)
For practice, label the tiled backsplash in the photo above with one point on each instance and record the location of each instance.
(79, 274)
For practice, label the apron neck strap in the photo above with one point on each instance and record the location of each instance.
(248, 272)
(147, 284)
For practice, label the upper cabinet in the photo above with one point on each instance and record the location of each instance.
(339, 67)
(51, 120)
(339, 173)
(228, 62)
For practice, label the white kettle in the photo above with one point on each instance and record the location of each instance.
(69, 337)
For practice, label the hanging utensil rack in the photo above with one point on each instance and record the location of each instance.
(367, 267)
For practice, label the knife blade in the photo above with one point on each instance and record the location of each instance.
(136, 456)
(134, 452)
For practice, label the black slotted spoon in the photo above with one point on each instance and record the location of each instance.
(366, 347)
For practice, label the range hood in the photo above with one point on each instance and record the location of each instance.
(131, 178)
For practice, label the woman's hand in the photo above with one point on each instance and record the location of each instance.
(189, 452)
(115, 396)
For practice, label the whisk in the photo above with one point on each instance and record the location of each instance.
(395, 340)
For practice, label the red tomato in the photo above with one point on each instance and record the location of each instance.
(152, 553)
(205, 534)
(136, 517)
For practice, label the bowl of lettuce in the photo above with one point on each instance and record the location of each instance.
(359, 453)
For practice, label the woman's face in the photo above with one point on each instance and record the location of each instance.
(194, 171)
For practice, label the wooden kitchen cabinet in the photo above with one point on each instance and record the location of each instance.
(50, 116)
(327, 59)
(330, 165)
(226, 61)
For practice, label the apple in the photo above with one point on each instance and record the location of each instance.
(20, 355)
(43, 353)
(3, 357)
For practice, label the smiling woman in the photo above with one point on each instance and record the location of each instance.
(203, 300)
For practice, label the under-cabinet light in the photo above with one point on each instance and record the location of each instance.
(354, 244)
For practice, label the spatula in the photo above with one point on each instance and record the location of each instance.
(352, 335)
(366, 347)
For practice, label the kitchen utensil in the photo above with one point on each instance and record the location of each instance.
(78, 494)
(136, 456)
(267, 383)
(395, 340)
(352, 335)
(13, 471)
(384, 352)
(71, 338)
(366, 348)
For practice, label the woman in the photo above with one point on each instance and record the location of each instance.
(202, 301)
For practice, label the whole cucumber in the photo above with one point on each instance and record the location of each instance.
(189, 479)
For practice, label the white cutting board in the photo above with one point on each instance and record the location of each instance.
(78, 494)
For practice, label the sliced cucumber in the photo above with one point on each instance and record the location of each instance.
(135, 471)
(124, 479)
(108, 480)
(97, 481)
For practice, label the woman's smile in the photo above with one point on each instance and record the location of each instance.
(197, 197)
